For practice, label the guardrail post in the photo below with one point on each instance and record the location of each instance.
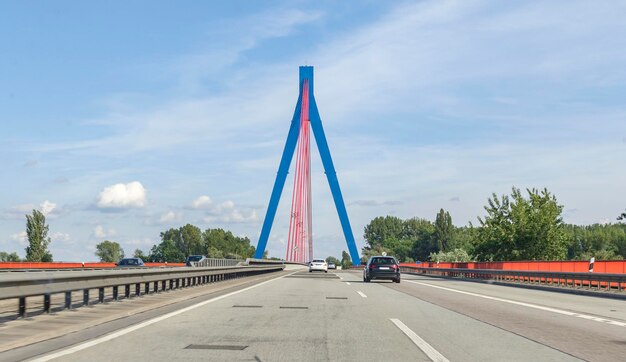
(85, 296)
(156, 287)
(147, 288)
(115, 293)
(177, 283)
(68, 300)
(127, 291)
(22, 307)
(101, 295)
(171, 284)
(46, 303)
(137, 289)
(163, 285)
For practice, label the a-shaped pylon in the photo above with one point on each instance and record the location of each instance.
(300, 243)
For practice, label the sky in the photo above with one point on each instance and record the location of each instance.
(121, 120)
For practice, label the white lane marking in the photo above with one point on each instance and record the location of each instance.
(348, 283)
(340, 278)
(361, 294)
(535, 306)
(432, 353)
(127, 330)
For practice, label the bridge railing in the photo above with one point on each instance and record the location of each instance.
(560, 279)
(46, 283)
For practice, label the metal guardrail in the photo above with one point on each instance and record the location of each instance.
(253, 261)
(560, 279)
(209, 262)
(22, 285)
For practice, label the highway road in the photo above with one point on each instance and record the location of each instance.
(298, 316)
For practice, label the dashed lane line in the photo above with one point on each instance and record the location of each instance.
(431, 352)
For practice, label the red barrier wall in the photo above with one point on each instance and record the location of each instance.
(608, 266)
(62, 265)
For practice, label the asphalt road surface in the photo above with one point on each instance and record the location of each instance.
(300, 316)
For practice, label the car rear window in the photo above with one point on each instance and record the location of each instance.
(129, 262)
(383, 261)
(194, 258)
(318, 261)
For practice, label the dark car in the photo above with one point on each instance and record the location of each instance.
(130, 262)
(381, 267)
(194, 259)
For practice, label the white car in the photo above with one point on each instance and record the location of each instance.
(318, 264)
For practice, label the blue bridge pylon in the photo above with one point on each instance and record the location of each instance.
(306, 73)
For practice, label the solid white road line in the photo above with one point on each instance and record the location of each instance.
(432, 353)
(361, 294)
(529, 305)
(348, 283)
(127, 330)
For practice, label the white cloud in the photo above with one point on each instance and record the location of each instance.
(60, 237)
(20, 237)
(47, 207)
(170, 216)
(233, 216)
(123, 196)
(201, 202)
(100, 232)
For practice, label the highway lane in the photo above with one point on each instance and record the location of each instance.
(322, 317)
(589, 328)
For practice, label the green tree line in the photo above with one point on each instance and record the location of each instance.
(520, 226)
(178, 243)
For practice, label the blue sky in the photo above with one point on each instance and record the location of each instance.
(122, 120)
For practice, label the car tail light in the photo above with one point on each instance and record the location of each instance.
(394, 266)
(372, 266)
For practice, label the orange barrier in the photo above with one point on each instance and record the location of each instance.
(63, 265)
(572, 266)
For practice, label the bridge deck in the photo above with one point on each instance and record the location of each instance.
(337, 317)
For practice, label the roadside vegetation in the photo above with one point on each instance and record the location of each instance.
(522, 226)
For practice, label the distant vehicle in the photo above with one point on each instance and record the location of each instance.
(130, 262)
(332, 266)
(319, 265)
(381, 267)
(195, 259)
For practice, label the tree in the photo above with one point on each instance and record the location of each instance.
(622, 216)
(519, 228)
(4, 256)
(38, 240)
(109, 251)
(443, 230)
(333, 260)
(421, 233)
(454, 256)
(381, 229)
(221, 243)
(139, 254)
(604, 242)
(346, 261)
(188, 239)
(166, 251)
